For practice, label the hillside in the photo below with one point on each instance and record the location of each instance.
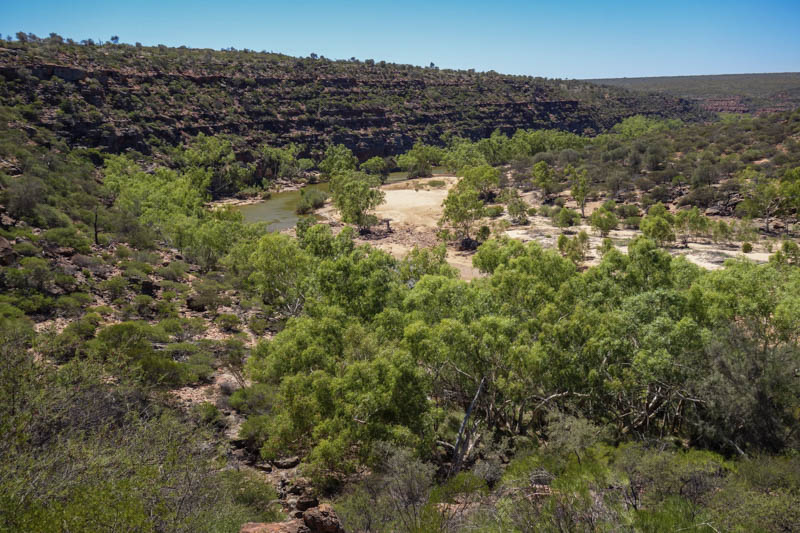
(119, 97)
(534, 331)
(731, 93)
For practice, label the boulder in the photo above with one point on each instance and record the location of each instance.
(264, 467)
(299, 486)
(322, 519)
(291, 526)
(7, 254)
(306, 502)
(286, 462)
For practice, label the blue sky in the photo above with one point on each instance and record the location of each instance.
(567, 39)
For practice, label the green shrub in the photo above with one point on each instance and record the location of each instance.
(175, 271)
(255, 399)
(310, 200)
(115, 287)
(747, 247)
(494, 211)
(123, 252)
(8, 311)
(207, 296)
(68, 237)
(71, 304)
(208, 414)
(228, 322)
(183, 329)
(255, 493)
(102, 310)
(27, 249)
(143, 305)
(565, 217)
(627, 211)
(258, 325)
(632, 222)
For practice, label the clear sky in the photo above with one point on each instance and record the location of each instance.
(562, 39)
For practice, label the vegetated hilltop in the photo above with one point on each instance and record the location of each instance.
(732, 93)
(119, 96)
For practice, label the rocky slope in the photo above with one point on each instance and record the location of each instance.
(119, 97)
(728, 93)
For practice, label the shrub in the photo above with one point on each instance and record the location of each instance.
(27, 249)
(258, 325)
(632, 222)
(494, 211)
(565, 217)
(310, 200)
(255, 399)
(747, 247)
(228, 322)
(175, 271)
(115, 287)
(68, 237)
(208, 414)
(123, 252)
(71, 304)
(207, 297)
(142, 304)
(183, 329)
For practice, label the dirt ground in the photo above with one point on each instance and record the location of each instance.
(413, 209)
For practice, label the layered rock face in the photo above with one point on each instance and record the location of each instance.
(116, 99)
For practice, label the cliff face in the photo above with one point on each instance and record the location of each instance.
(725, 93)
(118, 97)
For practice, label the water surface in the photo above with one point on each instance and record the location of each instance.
(278, 210)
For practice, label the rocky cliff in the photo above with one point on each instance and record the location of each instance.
(120, 97)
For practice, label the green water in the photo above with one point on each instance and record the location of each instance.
(278, 211)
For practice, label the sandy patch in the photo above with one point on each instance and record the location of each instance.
(414, 208)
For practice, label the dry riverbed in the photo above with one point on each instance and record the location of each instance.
(414, 208)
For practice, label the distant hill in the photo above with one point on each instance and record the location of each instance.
(118, 97)
(734, 93)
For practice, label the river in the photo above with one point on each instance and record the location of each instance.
(278, 210)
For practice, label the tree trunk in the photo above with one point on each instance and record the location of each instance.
(458, 454)
(96, 237)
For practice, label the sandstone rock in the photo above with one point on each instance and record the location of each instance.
(299, 486)
(264, 467)
(285, 462)
(6, 252)
(306, 502)
(291, 526)
(322, 519)
(65, 251)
